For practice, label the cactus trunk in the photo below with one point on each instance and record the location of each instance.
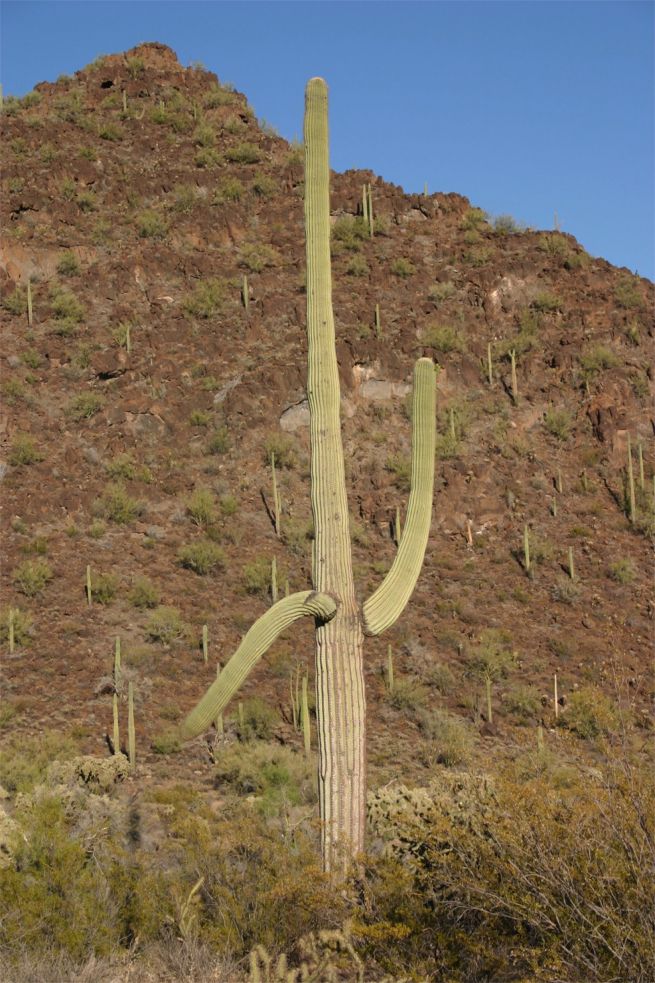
(340, 699)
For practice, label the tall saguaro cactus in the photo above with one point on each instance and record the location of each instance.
(341, 621)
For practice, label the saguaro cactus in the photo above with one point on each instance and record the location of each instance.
(341, 623)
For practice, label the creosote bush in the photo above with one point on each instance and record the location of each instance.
(165, 625)
(206, 299)
(144, 593)
(32, 576)
(117, 505)
(84, 406)
(24, 450)
(590, 714)
(202, 557)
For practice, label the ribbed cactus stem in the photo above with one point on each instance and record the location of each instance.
(390, 679)
(490, 365)
(553, 507)
(245, 293)
(10, 629)
(453, 432)
(631, 486)
(218, 722)
(254, 644)
(370, 212)
(274, 580)
(515, 385)
(306, 725)
(128, 339)
(386, 604)
(131, 733)
(30, 312)
(487, 683)
(89, 592)
(276, 499)
(571, 564)
(242, 719)
(365, 203)
(294, 693)
(425, 189)
(205, 643)
(526, 549)
(555, 696)
(340, 697)
(397, 528)
(117, 662)
(559, 485)
(116, 740)
(378, 327)
(640, 455)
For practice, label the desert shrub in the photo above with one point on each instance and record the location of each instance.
(243, 153)
(257, 576)
(16, 301)
(268, 770)
(202, 557)
(24, 761)
(523, 702)
(439, 292)
(200, 418)
(204, 136)
(284, 449)
(256, 257)
(565, 591)
(97, 529)
(201, 507)
(22, 626)
(206, 299)
(24, 450)
(348, 233)
(257, 718)
(231, 189)
(165, 625)
(13, 390)
(151, 225)
(478, 256)
(264, 186)
(622, 571)
(207, 157)
(401, 469)
(228, 504)
(84, 406)
(597, 359)
(357, 266)
(32, 576)
(474, 219)
(449, 739)
(124, 467)
(65, 306)
(219, 442)
(590, 714)
(558, 422)
(166, 743)
(68, 264)
(296, 534)
(444, 338)
(407, 694)
(184, 199)
(104, 587)
(117, 505)
(144, 593)
(492, 656)
(507, 225)
(403, 267)
(626, 293)
(546, 301)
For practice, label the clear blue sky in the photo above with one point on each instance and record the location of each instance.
(528, 108)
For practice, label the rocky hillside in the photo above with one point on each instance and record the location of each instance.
(159, 228)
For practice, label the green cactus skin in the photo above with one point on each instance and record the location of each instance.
(555, 695)
(274, 592)
(487, 685)
(390, 678)
(526, 549)
(490, 365)
(116, 729)
(277, 507)
(253, 645)
(378, 326)
(205, 643)
(640, 455)
(387, 603)
(10, 629)
(306, 725)
(631, 486)
(218, 722)
(30, 314)
(370, 212)
(364, 203)
(117, 662)
(245, 293)
(131, 733)
(571, 564)
(89, 593)
(340, 622)
(559, 484)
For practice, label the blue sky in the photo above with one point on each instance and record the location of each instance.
(528, 108)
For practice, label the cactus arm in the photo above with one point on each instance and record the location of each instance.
(253, 645)
(386, 604)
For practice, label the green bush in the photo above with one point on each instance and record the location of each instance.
(65, 305)
(84, 406)
(403, 267)
(474, 219)
(219, 442)
(243, 153)
(443, 338)
(622, 571)
(449, 738)
(257, 576)
(407, 694)
(201, 507)
(256, 257)
(401, 469)
(523, 702)
(597, 359)
(440, 292)
(117, 505)
(492, 656)
(144, 593)
(270, 771)
(558, 422)
(357, 267)
(348, 233)
(202, 557)
(256, 720)
(16, 301)
(151, 225)
(626, 293)
(68, 264)
(22, 626)
(103, 587)
(24, 450)
(231, 189)
(207, 298)
(546, 301)
(125, 468)
(284, 448)
(32, 576)
(590, 714)
(166, 626)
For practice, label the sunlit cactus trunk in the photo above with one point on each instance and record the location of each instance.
(340, 700)
(341, 622)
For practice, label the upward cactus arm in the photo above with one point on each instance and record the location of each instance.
(254, 644)
(386, 604)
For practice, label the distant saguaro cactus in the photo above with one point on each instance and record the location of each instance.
(341, 623)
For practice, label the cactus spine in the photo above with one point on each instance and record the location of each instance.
(397, 528)
(341, 622)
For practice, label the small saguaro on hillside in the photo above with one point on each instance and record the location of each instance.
(341, 622)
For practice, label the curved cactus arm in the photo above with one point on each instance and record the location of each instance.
(253, 645)
(386, 604)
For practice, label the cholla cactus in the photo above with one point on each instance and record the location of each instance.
(341, 622)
